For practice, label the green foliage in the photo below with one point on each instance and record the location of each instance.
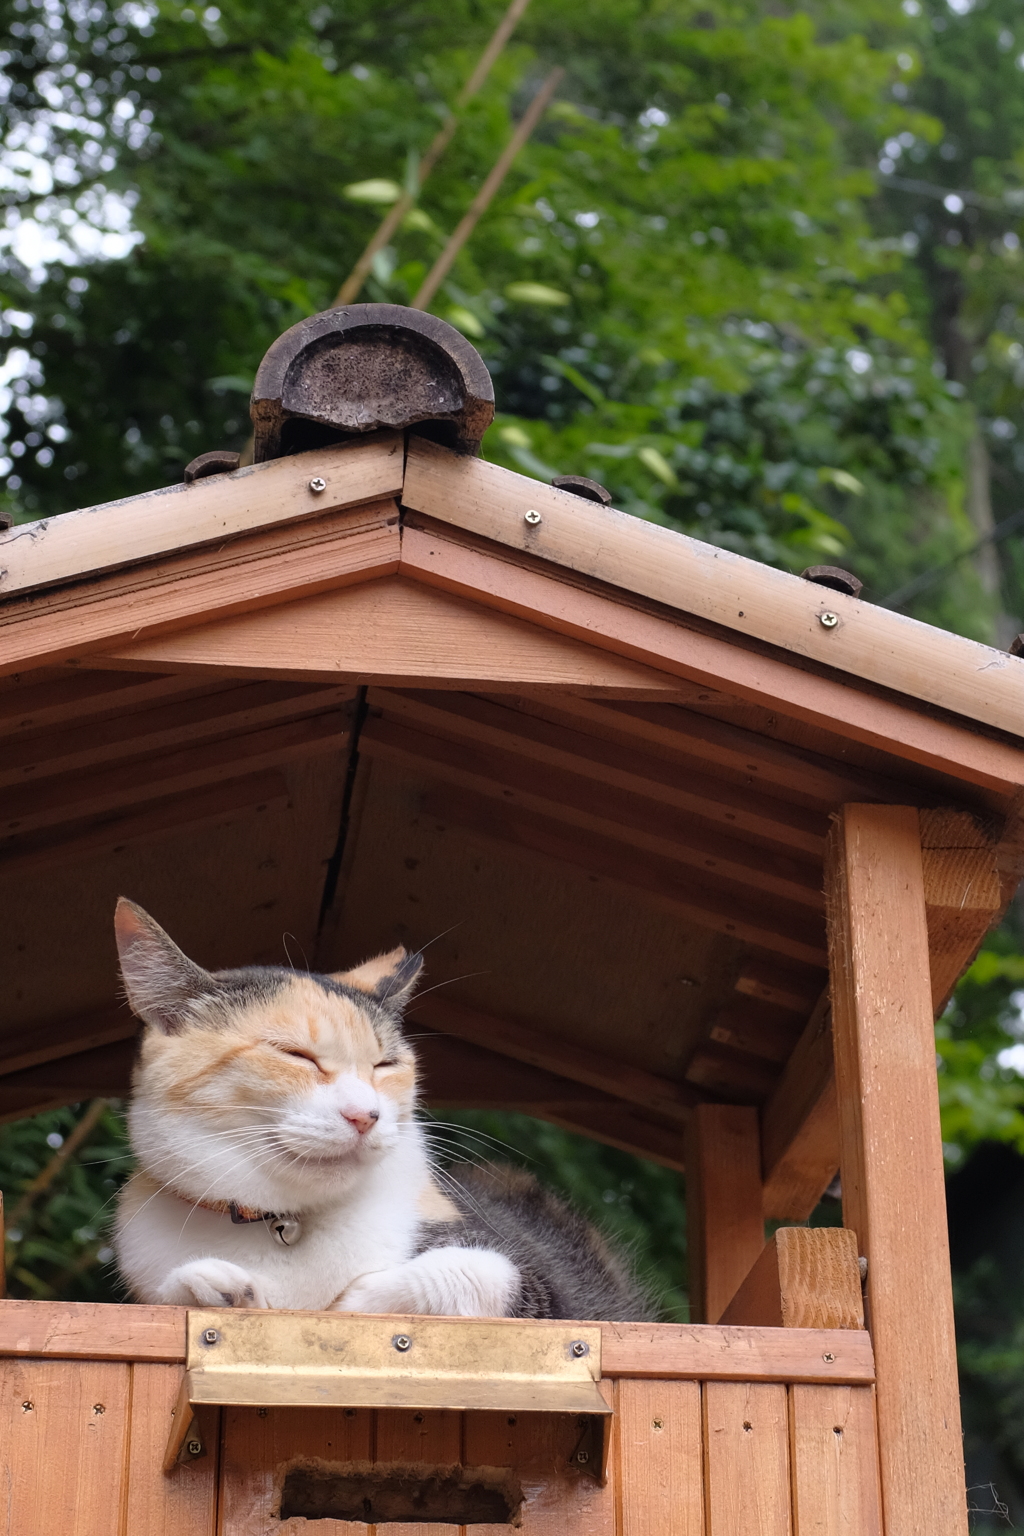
(980, 1099)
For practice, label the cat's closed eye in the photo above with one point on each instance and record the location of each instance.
(392, 1062)
(300, 1055)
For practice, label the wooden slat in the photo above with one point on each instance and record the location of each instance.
(835, 1462)
(724, 1225)
(67, 1037)
(185, 1503)
(84, 621)
(691, 1352)
(480, 721)
(64, 1439)
(738, 1076)
(92, 1330)
(441, 557)
(892, 1169)
(232, 711)
(175, 517)
(706, 902)
(558, 1497)
(660, 1448)
(806, 1277)
(104, 790)
(540, 1048)
(757, 1027)
(619, 1125)
(256, 1444)
(429, 1438)
(800, 1124)
(771, 981)
(962, 891)
(220, 805)
(394, 632)
(39, 700)
(746, 1446)
(744, 596)
(600, 808)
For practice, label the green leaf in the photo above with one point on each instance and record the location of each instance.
(376, 190)
(536, 293)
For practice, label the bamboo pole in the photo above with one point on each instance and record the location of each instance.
(534, 112)
(350, 288)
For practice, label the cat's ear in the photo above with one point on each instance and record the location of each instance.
(389, 979)
(160, 981)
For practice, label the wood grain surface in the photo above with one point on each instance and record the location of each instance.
(660, 1449)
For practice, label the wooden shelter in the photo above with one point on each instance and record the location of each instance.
(701, 847)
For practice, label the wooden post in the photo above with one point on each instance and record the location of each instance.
(724, 1223)
(891, 1158)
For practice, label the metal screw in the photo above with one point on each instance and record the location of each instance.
(657, 1423)
(350, 1413)
(582, 1457)
(579, 1348)
(27, 1407)
(829, 1358)
(210, 1335)
(532, 517)
(828, 620)
(98, 1408)
(195, 1447)
(402, 1342)
(261, 1413)
(317, 484)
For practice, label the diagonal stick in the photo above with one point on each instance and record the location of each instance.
(349, 289)
(534, 112)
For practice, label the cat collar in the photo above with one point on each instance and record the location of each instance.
(285, 1230)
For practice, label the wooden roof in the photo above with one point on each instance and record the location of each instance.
(589, 761)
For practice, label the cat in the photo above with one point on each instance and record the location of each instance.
(281, 1163)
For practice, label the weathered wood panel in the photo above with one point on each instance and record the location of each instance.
(835, 1462)
(746, 1446)
(660, 1458)
(185, 1503)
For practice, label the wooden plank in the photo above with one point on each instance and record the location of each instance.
(539, 1447)
(806, 1277)
(746, 1448)
(724, 1224)
(92, 1330)
(104, 1072)
(770, 981)
(835, 1462)
(258, 571)
(229, 711)
(618, 1125)
(595, 807)
(757, 1027)
(221, 805)
(892, 1170)
(738, 1076)
(393, 631)
(800, 1124)
(833, 704)
(660, 1458)
(49, 696)
(178, 517)
(707, 902)
(962, 891)
(66, 1037)
(183, 1503)
(257, 1444)
(428, 1438)
(482, 722)
(32, 807)
(540, 1048)
(64, 1433)
(713, 584)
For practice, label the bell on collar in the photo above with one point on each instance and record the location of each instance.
(286, 1230)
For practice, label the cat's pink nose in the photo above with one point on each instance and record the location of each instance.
(363, 1119)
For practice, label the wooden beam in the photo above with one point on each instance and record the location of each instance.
(394, 632)
(758, 1028)
(221, 805)
(229, 711)
(962, 891)
(708, 903)
(539, 1048)
(724, 1225)
(483, 723)
(258, 571)
(66, 1037)
(620, 1126)
(619, 622)
(178, 517)
(892, 1170)
(805, 1277)
(738, 1076)
(50, 696)
(104, 790)
(593, 807)
(753, 600)
(771, 981)
(104, 1072)
(800, 1125)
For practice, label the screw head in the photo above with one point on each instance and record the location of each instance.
(829, 1358)
(261, 1413)
(317, 484)
(402, 1342)
(828, 620)
(657, 1423)
(582, 1457)
(210, 1335)
(195, 1447)
(532, 517)
(27, 1406)
(579, 1348)
(98, 1408)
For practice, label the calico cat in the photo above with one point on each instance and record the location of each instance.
(281, 1164)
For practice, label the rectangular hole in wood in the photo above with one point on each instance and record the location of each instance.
(384, 1492)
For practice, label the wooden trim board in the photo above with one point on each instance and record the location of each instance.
(179, 517)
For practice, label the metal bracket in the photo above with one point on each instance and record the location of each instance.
(336, 1360)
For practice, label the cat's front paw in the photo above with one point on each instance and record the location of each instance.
(212, 1283)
